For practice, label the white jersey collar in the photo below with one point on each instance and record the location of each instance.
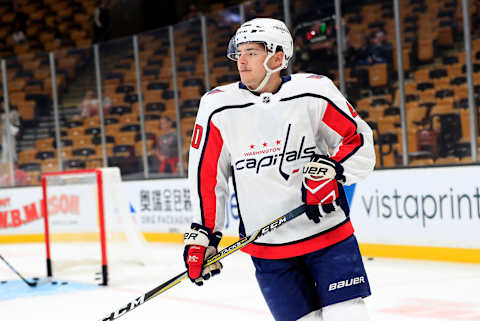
(284, 80)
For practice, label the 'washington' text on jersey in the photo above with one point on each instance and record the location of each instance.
(262, 142)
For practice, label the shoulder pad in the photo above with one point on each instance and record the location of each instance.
(312, 83)
(221, 96)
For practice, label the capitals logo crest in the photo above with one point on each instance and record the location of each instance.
(276, 156)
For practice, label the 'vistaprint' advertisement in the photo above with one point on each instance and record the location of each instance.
(423, 207)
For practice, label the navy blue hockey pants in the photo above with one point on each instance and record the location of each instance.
(294, 287)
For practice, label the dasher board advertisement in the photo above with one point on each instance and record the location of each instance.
(158, 206)
(165, 206)
(425, 207)
(438, 207)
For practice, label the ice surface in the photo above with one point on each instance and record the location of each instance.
(403, 290)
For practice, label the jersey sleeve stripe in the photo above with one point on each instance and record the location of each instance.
(338, 121)
(343, 125)
(349, 147)
(205, 158)
(327, 100)
(346, 127)
(208, 176)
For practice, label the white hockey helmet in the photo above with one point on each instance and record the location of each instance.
(273, 33)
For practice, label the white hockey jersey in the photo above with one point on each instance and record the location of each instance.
(263, 141)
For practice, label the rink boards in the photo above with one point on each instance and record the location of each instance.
(424, 213)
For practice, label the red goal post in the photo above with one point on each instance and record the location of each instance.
(104, 185)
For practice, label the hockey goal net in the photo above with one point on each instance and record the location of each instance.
(90, 232)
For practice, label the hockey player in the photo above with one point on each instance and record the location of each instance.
(274, 136)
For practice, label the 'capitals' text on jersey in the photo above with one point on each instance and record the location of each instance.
(263, 141)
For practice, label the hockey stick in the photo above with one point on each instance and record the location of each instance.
(29, 283)
(220, 255)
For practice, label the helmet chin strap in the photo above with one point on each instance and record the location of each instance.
(268, 74)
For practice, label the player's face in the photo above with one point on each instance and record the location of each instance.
(250, 63)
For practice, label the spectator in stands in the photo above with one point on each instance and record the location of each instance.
(18, 35)
(21, 177)
(10, 129)
(380, 50)
(102, 24)
(89, 105)
(166, 148)
(20, 16)
(19, 24)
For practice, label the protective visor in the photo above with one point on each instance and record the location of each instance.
(234, 54)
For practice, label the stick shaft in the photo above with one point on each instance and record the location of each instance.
(32, 284)
(220, 255)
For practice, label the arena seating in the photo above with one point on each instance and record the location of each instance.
(437, 113)
(435, 88)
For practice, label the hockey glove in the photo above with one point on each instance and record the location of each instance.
(199, 246)
(321, 188)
